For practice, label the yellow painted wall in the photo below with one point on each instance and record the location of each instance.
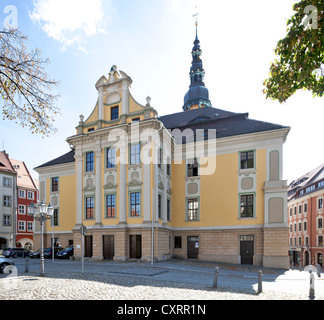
(133, 105)
(67, 203)
(219, 196)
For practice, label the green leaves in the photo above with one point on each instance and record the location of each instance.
(299, 55)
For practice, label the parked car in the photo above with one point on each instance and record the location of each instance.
(48, 252)
(4, 262)
(35, 254)
(66, 253)
(15, 252)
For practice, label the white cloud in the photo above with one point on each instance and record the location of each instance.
(69, 21)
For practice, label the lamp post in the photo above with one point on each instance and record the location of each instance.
(41, 213)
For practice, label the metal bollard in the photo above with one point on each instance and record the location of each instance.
(216, 277)
(26, 265)
(260, 281)
(318, 270)
(311, 286)
(300, 267)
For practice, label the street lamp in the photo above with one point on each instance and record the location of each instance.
(41, 212)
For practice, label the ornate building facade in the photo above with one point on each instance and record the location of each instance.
(203, 183)
(305, 218)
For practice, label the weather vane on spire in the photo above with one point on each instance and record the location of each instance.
(196, 16)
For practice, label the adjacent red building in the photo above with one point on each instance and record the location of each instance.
(305, 218)
(27, 193)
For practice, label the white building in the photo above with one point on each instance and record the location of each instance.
(8, 187)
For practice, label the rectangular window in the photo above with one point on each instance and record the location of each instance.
(192, 167)
(320, 240)
(193, 209)
(30, 195)
(177, 242)
(320, 203)
(311, 188)
(169, 209)
(135, 204)
(21, 225)
(6, 220)
(6, 201)
(6, 182)
(22, 193)
(29, 226)
(135, 120)
(111, 206)
(135, 153)
(55, 184)
(160, 206)
(320, 184)
(247, 204)
(21, 209)
(305, 226)
(306, 241)
(89, 207)
(305, 207)
(114, 112)
(160, 158)
(55, 218)
(320, 223)
(89, 161)
(111, 158)
(299, 226)
(247, 160)
(300, 209)
(168, 167)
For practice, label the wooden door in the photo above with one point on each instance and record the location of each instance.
(88, 246)
(193, 247)
(135, 246)
(247, 249)
(108, 242)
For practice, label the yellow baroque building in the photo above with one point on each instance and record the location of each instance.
(202, 183)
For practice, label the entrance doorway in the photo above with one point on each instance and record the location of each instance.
(108, 247)
(306, 261)
(135, 246)
(88, 246)
(193, 247)
(320, 259)
(3, 243)
(247, 249)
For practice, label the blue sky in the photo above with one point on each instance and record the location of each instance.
(151, 40)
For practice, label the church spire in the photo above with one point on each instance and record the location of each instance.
(198, 95)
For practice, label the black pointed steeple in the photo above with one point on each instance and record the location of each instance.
(198, 94)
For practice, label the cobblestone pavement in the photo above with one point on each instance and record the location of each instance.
(139, 281)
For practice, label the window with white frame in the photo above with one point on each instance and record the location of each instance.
(21, 225)
(29, 226)
(305, 207)
(320, 203)
(6, 201)
(6, 182)
(6, 220)
(320, 240)
(22, 193)
(30, 195)
(21, 209)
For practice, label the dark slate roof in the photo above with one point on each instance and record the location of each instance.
(226, 123)
(66, 158)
